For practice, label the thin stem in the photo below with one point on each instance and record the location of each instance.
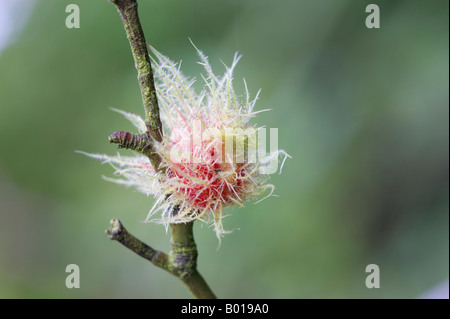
(129, 14)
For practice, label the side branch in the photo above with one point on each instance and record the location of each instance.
(129, 14)
(117, 232)
(136, 142)
(180, 262)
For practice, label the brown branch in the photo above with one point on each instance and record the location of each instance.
(181, 261)
(117, 232)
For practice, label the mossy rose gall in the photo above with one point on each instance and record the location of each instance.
(211, 156)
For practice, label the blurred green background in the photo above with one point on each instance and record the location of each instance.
(363, 112)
